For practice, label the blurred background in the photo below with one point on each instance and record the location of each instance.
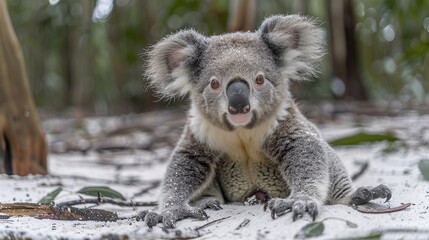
(89, 54)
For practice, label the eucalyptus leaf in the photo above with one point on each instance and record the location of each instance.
(48, 199)
(424, 168)
(103, 191)
(363, 137)
(371, 236)
(313, 229)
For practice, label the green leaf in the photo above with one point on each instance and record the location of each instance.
(103, 191)
(313, 229)
(424, 168)
(371, 236)
(363, 137)
(48, 199)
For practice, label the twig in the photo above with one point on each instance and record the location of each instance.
(349, 223)
(145, 190)
(243, 224)
(361, 171)
(387, 210)
(105, 181)
(107, 200)
(210, 223)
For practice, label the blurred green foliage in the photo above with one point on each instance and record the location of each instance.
(89, 54)
(394, 44)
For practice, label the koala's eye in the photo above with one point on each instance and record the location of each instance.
(214, 84)
(260, 80)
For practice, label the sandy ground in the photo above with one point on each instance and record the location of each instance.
(72, 171)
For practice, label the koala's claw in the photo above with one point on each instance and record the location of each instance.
(313, 210)
(265, 206)
(170, 216)
(203, 215)
(169, 221)
(152, 218)
(215, 206)
(363, 195)
(210, 203)
(298, 210)
(280, 207)
(388, 193)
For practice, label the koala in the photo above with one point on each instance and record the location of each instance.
(244, 134)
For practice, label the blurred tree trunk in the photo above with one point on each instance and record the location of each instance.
(300, 6)
(83, 62)
(241, 15)
(78, 57)
(343, 44)
(148, 20)
(22, 144)
(117, 27)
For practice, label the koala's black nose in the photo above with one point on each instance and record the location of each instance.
(237, 93)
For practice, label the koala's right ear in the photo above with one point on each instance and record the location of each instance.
(173, 61)
(295, 42)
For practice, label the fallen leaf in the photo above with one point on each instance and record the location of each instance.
(363, 137)
(104, 191)
(313, 229)
(424, 168)
(371, 236)
(48, 199)
(366, 209)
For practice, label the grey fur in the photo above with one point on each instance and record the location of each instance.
(272, 149)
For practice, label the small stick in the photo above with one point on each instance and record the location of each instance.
(387, 210)
(361, 171)
(243, 224)
(106, 200)
(145, 190)
(210, 223)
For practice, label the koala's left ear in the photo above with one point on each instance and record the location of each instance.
(173, 61)
(295, 42)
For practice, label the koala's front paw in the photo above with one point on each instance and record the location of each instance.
(280, 207)
(365, 194)
(170, 216)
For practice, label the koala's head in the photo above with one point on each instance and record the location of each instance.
(237, 79)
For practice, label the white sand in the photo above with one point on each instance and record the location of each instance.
(399, 171)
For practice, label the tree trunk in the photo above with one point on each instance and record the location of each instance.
(241, 15)
(343, 45)
(22, 143)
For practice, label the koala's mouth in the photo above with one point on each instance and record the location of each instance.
(240, 119)
(246, 120)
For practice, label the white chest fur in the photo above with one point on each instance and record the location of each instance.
(242, 145)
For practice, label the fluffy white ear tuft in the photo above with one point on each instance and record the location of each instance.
(173, 61)
(296, 43)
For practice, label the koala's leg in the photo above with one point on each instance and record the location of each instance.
(342, 190)
(190, 171)
(304, 167)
